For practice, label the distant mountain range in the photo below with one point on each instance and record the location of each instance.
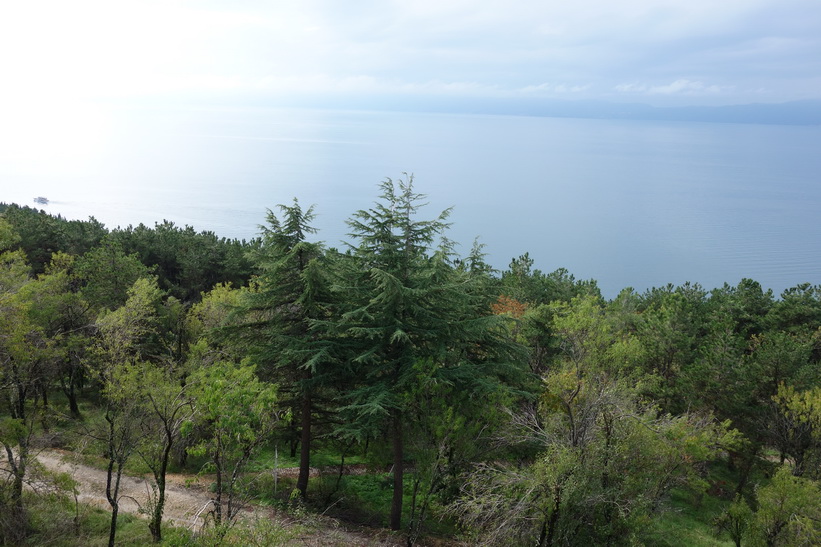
(790, 113)
(807, 112)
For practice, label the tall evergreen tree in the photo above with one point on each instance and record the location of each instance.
(413, 320)
(293, 292)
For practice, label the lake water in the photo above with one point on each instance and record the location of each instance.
(627, 203)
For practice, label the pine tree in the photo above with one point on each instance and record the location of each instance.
(413, 319)
(293, 292)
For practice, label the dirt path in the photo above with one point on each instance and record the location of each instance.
(183, 506)
(187, 505)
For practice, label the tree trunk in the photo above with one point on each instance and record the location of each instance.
(305, 448)
(13, 525)
(218, 499)
(155, 526)
(73, 406)
(44, 395)
(18, 470)
(112, 530)
(112, 493)
(746, 471)
(543, 534)
(546, 538)
(70, 389)
(398, 473)
(117, 457)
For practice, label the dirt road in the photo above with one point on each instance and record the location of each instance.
(187, 505)
(184, 506)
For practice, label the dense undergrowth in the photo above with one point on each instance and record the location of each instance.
(357, 495)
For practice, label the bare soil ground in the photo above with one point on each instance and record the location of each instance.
(184, 506)
(188, 503)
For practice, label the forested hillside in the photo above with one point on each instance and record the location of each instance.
(482, 407)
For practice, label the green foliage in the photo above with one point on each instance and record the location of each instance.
(26, 351)
(747, 304)
(606, 467)
(789, 511)
(525, 284)
(797, 428)
(56, 521)
(212, 326)
(40, 235)
(106, 273)
(213, 310)
(262, 532)
(398, 350)
(129, 332)
(799, 309)
(161, 406)
(8, 237)
(282, 317)
(607, 459)
(736, 520)
(236, 406)
(186, 262)
(803, 406)
(238, 413)
(412, 320)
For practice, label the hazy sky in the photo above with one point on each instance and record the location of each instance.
(660, 52)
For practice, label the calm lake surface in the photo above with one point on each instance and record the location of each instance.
(628, 203)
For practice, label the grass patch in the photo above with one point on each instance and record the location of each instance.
(366, 499)
(55, 521)
(270, 457)
(689, 523)
(690, 518)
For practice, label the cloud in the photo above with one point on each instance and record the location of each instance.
(662, 50)
(554, 89)
(681, 86)
(685, 87)
(631, 88)
(366, 84)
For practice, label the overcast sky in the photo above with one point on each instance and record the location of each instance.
(662, 52)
